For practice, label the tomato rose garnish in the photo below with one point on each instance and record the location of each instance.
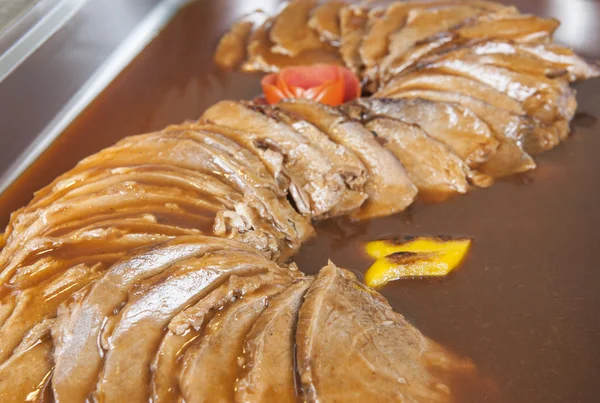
(326, 83)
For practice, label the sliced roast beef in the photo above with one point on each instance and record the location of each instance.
(186, 153)
(315, 186)
(437, 172)
(76, 355)
(506, 24)
(376, 42)
(501, 54)
(139, 326)
(451, 124)
(261, 58)
(185, 146)
(291, 35)
(30, 242)
(508, 129)
(536, 138)
(209, 367)
(550, 101)
(232, 50)
(272, 216)
(344, 161)
(269, 368)
(577, 67)
(353, 25)
(424, 80)
(422, 24)
(164, 385)
(351, 347)
(325, 20)
(95, 179)
(50, 268)
(548, 60)
(45, 257)
(389, 187)
(40, 302)
(510, 25)
(188, 325)
(23, 375)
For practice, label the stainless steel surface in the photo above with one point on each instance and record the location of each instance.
(11, 10)
(27, 33)
(56, 79)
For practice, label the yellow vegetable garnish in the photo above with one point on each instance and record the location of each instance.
(418, 257)
(382, 248)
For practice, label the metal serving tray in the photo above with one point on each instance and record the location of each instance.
(76, 76)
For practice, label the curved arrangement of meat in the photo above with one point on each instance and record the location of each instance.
(157, 269)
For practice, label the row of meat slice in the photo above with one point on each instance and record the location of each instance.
(207, 319)
(379, 39)
(232, 174)
(185, 180)
(495, 69)
(368, 158)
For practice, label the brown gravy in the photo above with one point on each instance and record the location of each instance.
(525, 305)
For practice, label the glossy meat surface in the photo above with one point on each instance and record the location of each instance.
(155, 259)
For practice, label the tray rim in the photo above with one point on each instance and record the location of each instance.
(60, 13)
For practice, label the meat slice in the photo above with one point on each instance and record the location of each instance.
(314, 185)
(510, 130)
(24, 375)
(535, 136)
(209, 367)
(325, 20)
(353, 25)
(550, 101)
(577, 67)
(501, 54)
(182, 148)
(491, 53)
(131, 342)
(451, 124)
(273, 219)
(425, 80)
(77, 333)
(376, 42)
(520, 27)
(94, 178)
(505, 24)
(35, 230)
(35, 304)
(388, 186)
(344, 161)
(422, 24)
(269, 367)
(264, 218)
(232, 50)
(164, 386)
(437, 172)
(31, 264)
(351, 347)
(261, 57)
(291, 35)
(188, 325)
(548, 60)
